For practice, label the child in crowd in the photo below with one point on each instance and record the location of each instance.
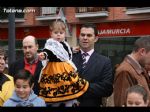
(23, 95)
(6, 81)
(137, 96)
(59, 81)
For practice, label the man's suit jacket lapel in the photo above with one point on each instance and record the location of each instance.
(90, 62)
(78, 62)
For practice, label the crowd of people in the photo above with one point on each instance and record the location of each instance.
(62, 76)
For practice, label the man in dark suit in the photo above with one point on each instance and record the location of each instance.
(30, 60)
(96, 68)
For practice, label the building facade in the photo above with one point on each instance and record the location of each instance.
(118, 27)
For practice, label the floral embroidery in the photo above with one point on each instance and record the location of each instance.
(62, 90)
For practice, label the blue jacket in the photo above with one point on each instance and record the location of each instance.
(32, 101)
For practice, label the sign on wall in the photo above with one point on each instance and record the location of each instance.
(130, 28)
(38, 31)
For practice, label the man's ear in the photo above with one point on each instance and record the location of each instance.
(147, 103)
(37, 45)
(142, 51)
(96, 38)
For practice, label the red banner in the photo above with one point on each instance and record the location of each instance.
(38, 31)
(130, 28)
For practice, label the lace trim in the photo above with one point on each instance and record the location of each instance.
(59, 51)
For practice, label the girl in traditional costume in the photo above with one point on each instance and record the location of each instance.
(59, 82)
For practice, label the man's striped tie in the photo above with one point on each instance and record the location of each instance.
(84, 60)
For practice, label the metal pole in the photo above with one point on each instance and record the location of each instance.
(11, 37)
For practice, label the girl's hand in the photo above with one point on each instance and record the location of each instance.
(77, 104)
(76, 49)
(41, 56)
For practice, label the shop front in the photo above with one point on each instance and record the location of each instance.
(116, 39)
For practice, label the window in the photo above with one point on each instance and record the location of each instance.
(115, 48)
(49, 10)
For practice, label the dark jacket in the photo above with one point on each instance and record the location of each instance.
(99, 74)
(19, 64)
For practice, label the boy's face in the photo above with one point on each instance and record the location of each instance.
(22, 88)
(58, 35)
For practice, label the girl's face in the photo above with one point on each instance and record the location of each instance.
(23, 88)
(136, 100)
(58, 35)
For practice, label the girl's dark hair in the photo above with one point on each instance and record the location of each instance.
(140, 90)
(24, 75)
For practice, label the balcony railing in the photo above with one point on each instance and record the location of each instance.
(48, 13)
(137, 10)
(82, 12)
(48, 10)
(136, 7)
(90, 9)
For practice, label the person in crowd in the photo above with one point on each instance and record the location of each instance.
(59, 82)
(30, 60)
(23, 95)
(137, 96)
(94, 67)
(131, 71)
(6, 81)
(147, 68)
(6, 65)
